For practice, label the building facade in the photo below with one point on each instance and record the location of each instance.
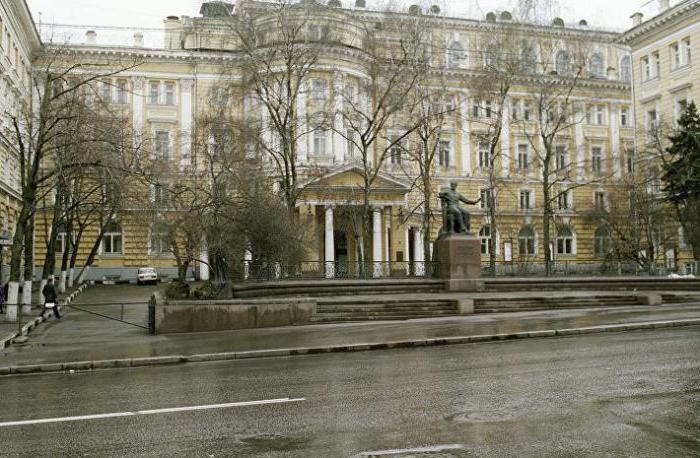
(19, 44)
(164, 95)
(665, 81)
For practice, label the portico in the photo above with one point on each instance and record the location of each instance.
(334, 208)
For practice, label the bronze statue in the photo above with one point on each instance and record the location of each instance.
(455, 220)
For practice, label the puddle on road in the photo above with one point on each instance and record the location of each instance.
(480, 417)
(272, 442)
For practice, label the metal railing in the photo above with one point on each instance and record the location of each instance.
(320, 270)
(591, 267)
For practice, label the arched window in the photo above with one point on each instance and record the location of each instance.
(112, 240)
(601, 241)
(596, 66)
(565, 240)
(528, 58)
(563, 63)
(485, 237)
(626, 69)
(526, 241)
(455, 55)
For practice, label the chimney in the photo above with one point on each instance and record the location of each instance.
(90, 37)
(664, 5)
(138, 40)
(637, 19)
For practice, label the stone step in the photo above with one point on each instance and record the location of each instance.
(382, 317)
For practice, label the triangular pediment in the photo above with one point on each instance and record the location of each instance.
(351, 177)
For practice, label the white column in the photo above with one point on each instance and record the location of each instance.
(580, 152)
(387, 229)
(139, 84)
(12, 300)
(247, 258)
(408, 251)
(505, 138)
(615, 139)
(302, 140)
(466, 136)
(330, 244)
(204, 264)
(338, 140)
(186, 119)
(418, 254)
(377, 241)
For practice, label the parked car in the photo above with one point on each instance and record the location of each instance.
(146, 275)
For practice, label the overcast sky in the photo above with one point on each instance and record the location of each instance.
(150, 13)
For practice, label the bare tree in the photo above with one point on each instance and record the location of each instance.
(42, 132)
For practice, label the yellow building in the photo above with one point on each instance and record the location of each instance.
(19, 42)
(665, 81)
(174, 84)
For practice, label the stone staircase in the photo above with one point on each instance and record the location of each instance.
(515, 304)
(351, 309)
(506, 284)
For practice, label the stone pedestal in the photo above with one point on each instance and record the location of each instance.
(459, 256)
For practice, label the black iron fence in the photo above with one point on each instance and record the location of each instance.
(592, 267)
(318, 270)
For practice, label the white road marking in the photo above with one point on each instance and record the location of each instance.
(435, 448)
(149, 412)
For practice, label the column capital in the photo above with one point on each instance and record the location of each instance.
(187, 84)
(138, 83)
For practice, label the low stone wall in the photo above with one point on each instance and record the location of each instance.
(169, 317)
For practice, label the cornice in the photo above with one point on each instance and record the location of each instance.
(673, 15)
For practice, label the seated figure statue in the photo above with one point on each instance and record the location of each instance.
(456, 220)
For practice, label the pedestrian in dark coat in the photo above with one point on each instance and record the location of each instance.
(50, 296)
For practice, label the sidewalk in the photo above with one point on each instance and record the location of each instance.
(84, 338)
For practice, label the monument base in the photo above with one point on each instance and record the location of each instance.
(459, 256)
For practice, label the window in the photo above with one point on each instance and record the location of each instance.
(351, 148)
(523, 158)
(675, 56)
(484, 154)
(651, 120)
(106, 92)
(601, 241)
(562, 156)
(600, 200)
(565, 240)
(112, 240)
(170, 94)
(596, 66)
(525, 199)
(624, 117)
(630, 163)
(320, 141)
(61, 239)
(527, 111)
(515, 110)
(596, 159)
(122, 91)
(655, 65)
(491, 57)
(318, 33)
(485, 195)
(396, 151)
(526, 241)
(154, 93)
(485, 237)
(528, 58)
(445, 151)
(646, 68)
(159, 242)
(319, 89)
(681, 106)
(626, 69)
(162, 145)
(564, 200)
(482, 109)
(455, 54)
(687, 53)
(563, 63)
(600, 115)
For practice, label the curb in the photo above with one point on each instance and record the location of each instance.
(33, 323)
(254, 354)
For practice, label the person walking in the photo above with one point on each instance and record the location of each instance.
(50, 297)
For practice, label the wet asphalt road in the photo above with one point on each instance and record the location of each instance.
(625, 394)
